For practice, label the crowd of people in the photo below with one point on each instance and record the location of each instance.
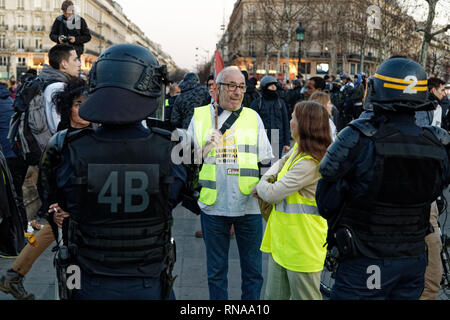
(354, 164)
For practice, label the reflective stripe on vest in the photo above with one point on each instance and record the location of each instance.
(246, 141)
(295, 233)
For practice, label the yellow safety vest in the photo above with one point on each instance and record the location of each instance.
(246, 142)
(295, 232)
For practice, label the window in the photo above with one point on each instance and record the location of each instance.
(251, 48)
(20, 43)
(20, 21)
(38, 22)
(352, 68)
(55, 5)
(22, 61)
(2, 41)
(20, 4)
(2, 20)
(2, 4)
(38, 43)
(3, 61)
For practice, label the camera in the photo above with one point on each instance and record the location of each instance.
(64, 39)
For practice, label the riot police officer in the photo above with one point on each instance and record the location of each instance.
(378, 181)
(116, 183)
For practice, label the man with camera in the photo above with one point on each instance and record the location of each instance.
(70, 28)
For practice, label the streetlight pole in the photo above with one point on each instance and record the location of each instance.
(300, 35)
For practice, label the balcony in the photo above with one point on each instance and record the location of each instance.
(3, 27)
(38, 28)
(20, 28)
(38, 50)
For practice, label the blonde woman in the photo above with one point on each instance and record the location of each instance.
(295, 232)
(324, 99)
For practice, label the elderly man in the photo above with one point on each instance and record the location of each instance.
(230, 170)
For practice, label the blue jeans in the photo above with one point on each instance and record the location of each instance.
(216, 234)
(399, 279)
(118, 288)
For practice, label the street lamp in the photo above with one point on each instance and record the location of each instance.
(300, 35)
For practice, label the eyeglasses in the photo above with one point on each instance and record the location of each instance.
(233, 87)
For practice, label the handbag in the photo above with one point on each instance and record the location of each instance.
(266, 207)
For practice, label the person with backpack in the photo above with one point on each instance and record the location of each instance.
(16, 165)
(67, 104)
(70, 28)
(63, 65)
(272, 110)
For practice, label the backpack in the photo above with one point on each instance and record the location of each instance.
(28, 130)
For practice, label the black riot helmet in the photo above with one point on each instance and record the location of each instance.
(126, 86)
(398, 84)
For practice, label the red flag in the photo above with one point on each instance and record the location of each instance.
(218, 65)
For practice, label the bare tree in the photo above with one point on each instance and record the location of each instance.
(280, 20)
(331, 16)
(428, 34)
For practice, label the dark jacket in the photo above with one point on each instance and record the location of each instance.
(250, 95)
(80, 32)
(192, 95)
(293, 96)
(273, 113)
(6, 112)
(351, 178)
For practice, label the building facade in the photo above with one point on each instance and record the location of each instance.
(340, 36)
(25, 27)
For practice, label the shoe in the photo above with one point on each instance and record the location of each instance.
(5, 255)
(199, 234)
(15, 287)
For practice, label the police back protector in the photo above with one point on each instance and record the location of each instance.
(121, 227)
(392, 219)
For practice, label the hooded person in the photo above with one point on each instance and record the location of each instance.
(118, 183)
(251, 94)
(272, 110)
(11, 217)
(193, 95)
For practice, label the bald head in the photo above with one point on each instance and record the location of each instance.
(230, 98)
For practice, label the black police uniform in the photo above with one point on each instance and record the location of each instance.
(378, 181)
(115, 183)
(11, 225)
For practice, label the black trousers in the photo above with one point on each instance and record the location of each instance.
(18, 169)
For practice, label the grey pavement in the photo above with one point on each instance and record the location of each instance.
(191, 283)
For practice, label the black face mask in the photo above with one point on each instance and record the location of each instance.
(269, 94)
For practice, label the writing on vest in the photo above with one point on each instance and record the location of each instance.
(295, 232)
(246, 145)
(120, 209)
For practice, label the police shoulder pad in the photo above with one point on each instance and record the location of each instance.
(364, 126)
(442, 135)
(165, 133)
(77, 134)
(338, 154)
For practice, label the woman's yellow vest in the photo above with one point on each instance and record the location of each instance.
(246, 141)
(295, 232)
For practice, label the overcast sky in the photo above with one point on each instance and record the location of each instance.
(181, 25)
